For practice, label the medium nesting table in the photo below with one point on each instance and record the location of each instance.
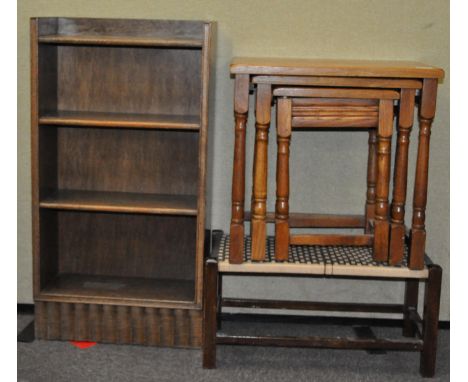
(282, 81)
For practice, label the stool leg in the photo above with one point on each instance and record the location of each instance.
(418, 230)
(397, 229)
(219, 301)
(371, 178)
(431, 321)
(411, 303)
(262, 124)
(282, 180)
(241, 108)
(384, 134)
(209, 314)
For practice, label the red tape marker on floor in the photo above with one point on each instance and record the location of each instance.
(83, 344)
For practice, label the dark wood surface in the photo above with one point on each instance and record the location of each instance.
(128, 80)
(321, 342)
(119, 138)
(120, 41)
(127, 160)
(119, 324)
(122, 27)
(126, 245)
(309, 305)
(107, 288)
(125, 120)
(430, 321)
(79, 200)
(210, 309)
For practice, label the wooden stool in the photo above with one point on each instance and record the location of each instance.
(335, 108)
(353, 263)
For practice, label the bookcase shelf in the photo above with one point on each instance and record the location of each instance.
(144, 291)
(163, 204)
(119, 153)
(120, 41)
(124, 120)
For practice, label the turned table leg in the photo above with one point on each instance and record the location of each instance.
(283, 122)
(418, 229)
(241, 108)
(397, 229)
(371, 179)
(384, 140)
(262, 124)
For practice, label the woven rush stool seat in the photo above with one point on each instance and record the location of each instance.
(327, 260)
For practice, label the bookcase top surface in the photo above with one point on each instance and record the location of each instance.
(64, 26)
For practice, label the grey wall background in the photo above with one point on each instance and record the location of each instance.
(328, 169)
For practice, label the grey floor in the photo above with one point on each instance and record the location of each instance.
(51, 361)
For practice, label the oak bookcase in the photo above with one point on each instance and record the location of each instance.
(119, 152)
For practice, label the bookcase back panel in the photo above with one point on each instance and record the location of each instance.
(126, 245)
(127, 160)
(128, 79)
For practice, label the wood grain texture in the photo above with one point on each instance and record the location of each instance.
(397, 229)
(283, 127)
(418, 224)
(123, 120)
(123, 80)
(336, 93)
(371, 179)
(126, 245)
(322, 115)
(97, 288)
(384, 139)
(119, 138)
(148, 161)
(382, 83)
(35, 185)
(122, 27)
(119, 324)
(109, 40)
(241, 105)
(260, 170)
(209, 314)
(311, 220)
(332, 67)
(161, 204)
(203, 214)
(331, 239)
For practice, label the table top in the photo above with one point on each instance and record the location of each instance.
(333, 67)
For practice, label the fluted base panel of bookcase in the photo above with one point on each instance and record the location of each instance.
(118, 324)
